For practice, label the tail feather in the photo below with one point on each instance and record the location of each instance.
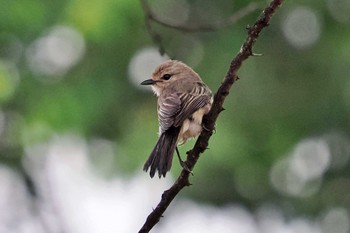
(162, 155)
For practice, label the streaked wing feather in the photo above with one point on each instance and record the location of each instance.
(174, 109)
(191, 102)
(167, 110)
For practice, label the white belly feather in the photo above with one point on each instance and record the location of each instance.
(192, 127)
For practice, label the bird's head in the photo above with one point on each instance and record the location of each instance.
(168, 73)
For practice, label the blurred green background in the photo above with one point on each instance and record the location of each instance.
(74, 66)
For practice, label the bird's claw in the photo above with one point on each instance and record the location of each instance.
(185, 167)
(183, 163)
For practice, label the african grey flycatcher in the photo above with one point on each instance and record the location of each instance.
(183, 99)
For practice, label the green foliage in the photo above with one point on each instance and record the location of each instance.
(282, 97)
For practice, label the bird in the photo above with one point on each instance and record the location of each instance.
(183, 100)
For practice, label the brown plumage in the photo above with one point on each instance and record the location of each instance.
(183, 99)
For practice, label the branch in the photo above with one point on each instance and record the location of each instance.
(202, 28)
(151, 17)
(210, 119)
(157, 39)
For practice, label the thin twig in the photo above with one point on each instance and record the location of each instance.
(210, 118)
(157, 39)
(221, 24)
(203, 28)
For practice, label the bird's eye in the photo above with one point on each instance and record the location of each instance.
(166, 76)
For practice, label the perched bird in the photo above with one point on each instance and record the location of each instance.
(183, 99)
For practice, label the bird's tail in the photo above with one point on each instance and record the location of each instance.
(162, 155)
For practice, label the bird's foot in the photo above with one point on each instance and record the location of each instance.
(183, 163)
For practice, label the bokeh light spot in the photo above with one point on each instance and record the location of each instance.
(310, 159)
(142, 65)
(301, 27)
(173, 12)
(300, 174)
(340, 10)
(336, 220)
(303, 225)
(56, 52)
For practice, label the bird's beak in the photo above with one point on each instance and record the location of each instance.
(148, 82)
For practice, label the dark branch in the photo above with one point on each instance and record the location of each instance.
(201, 28)
(157, 39)
(210, 119)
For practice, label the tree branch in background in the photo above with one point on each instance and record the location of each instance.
(157, 39)
(210, 119)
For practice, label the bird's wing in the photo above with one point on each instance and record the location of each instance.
(168, 108)
(198, 97)
(175, 108)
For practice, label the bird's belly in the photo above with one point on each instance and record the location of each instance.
(192, 127)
